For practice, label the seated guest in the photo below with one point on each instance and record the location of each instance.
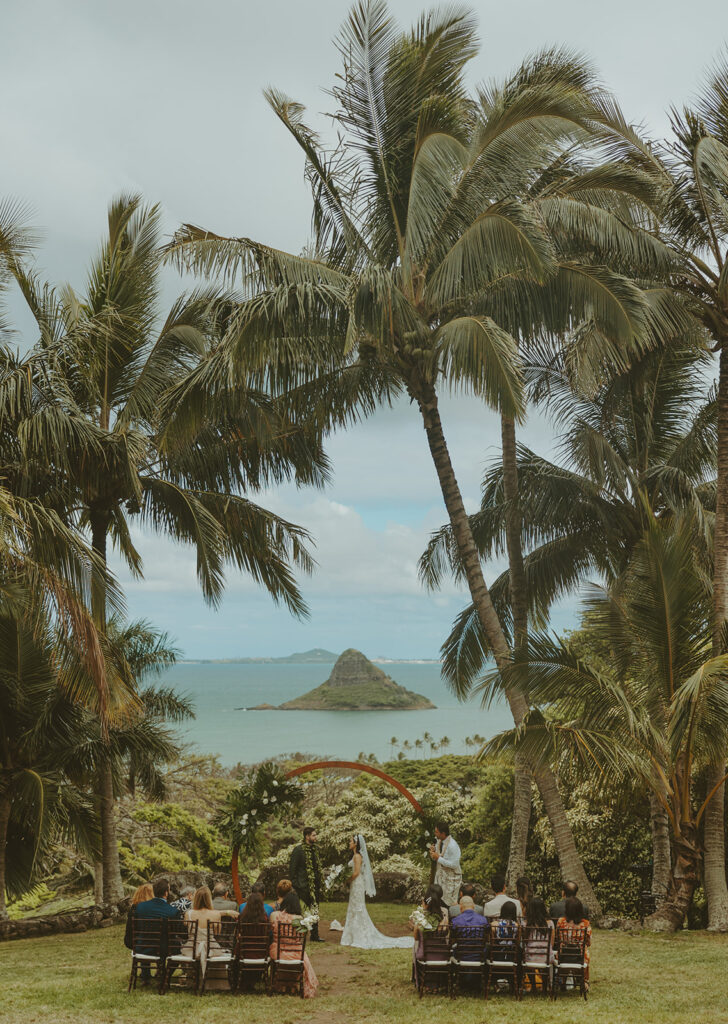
(558, 909)
(221, 898)
(468, 918)
(434, 907)
(143, 893)
(204, 913)
(258, 888)
(493, 907)
(155, 908)
(184, 902)
(536, 950)
(524, 892)
(291, 951)
(287, 898)
(576, 927)
(506, 925)
(466, 889)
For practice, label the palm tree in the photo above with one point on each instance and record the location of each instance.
(419, 744)
(428, 740)
(693, 173)
(437, 243)
(444, 742)
(656, 708)
(394, 742)
(407, 746)
(641, 447)
(107, 408)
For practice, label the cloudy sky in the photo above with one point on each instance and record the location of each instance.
(164, 97)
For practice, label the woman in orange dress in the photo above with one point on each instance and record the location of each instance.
(578, 928)
(286, 914)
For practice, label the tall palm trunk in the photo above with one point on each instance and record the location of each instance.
(112, 886)
(661, 856)
(569, 859)
(716, 889)
(4, 822)
(522, 778)
(684, 879)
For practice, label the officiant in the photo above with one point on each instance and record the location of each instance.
(446, 854)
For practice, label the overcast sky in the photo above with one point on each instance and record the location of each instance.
(164, 97)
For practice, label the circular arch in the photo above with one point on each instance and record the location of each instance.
(316, 766)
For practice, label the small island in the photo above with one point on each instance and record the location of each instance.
(355, 684)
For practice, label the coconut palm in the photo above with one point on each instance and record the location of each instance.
(656, 709)
(123, 454)
(641, 447)
(444, 229)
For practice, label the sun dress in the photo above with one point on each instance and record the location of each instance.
(310, 981)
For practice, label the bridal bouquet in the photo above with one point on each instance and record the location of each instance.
(332, 876)
(305, 924)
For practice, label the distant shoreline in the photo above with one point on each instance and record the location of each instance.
(301, 661)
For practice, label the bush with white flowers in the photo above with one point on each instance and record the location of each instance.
(263, 793)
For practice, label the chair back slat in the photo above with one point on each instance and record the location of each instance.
(149, 935)
(221, 937)
(572, 944)
(436, 944)
(504, 941)
(179, 934)
(291, 944)
(469, 944)
(253, 940)
(537, 944)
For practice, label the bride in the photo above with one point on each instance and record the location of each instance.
(359, 929)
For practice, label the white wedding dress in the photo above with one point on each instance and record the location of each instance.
(359, 929)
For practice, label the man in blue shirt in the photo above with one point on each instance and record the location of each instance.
(156, 908)
(258, 887)
(468, 918)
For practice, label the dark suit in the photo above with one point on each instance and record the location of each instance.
(298, 869)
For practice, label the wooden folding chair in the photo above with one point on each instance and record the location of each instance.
(435, 961)
(148, 949)
(221, 940)
(571, 959)
(182, 953)
(503, 957)
(469, 948)
(537, 956)
(287, 966)
(252, 955)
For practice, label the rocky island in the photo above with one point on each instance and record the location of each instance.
(355, 684)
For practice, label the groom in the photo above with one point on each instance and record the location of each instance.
(305, 871)
(446, 855)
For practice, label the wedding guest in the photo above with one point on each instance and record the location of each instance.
(433, 906)
(493, 907)
(524, 892)
(221, 898)
(466, 889)
(446, 854)
(288, 898)
(468, 916)
(259, 889)
(290, 951)
(204, 912)
(143, 893)
(575, 924)
(185, 898)
(537, 950)
(155, 908)
(558, 909)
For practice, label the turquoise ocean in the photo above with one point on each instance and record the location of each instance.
(221, 693)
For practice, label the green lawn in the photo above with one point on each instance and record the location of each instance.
(636, 979)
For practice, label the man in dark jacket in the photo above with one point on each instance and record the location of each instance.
(558, 909)
(305, 871)
(158, 908)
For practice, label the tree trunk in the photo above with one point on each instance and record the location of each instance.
(4, 822)
(661, 857)
(98, 882)
(112, 888)
(571, 865)
(671, 913)
(716, 890)
(522, 778)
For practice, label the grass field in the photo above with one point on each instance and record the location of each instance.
(640, 979)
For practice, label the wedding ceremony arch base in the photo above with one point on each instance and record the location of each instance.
(322, 765)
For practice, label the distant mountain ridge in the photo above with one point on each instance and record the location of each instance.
(316, 656)
(355, 684)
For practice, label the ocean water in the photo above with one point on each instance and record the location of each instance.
(222, 692)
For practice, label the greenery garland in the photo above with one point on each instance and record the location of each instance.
(310, 853)
(264, 793)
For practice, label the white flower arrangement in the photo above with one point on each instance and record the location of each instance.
(306, 923)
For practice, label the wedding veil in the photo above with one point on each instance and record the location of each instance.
(366, 868)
